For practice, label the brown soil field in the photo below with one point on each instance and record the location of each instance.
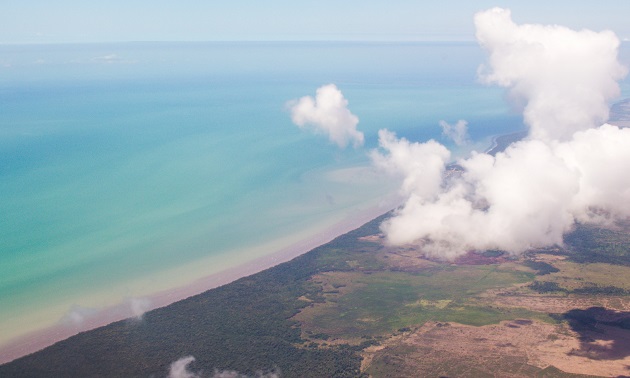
(519, 348)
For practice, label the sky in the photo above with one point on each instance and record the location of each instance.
(73, 21)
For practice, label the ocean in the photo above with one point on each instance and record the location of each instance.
(129, 169)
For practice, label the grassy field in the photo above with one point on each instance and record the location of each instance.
(380, 303)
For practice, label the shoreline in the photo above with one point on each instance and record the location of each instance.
(40, 339)
(502, 141)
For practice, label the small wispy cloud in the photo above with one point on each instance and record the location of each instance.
(180, 369)
(78, 315)
(458, 132)
(138, 306)
(112, 59)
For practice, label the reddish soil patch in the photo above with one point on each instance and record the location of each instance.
(475, 258)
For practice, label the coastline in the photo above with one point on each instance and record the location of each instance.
(43, 338)
(40, 339)
(502, 141)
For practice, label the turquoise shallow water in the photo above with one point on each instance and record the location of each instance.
(119, 163)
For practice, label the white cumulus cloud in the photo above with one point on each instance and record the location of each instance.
(328, 114)
(420, 165)
(564, 77)
(567, 170)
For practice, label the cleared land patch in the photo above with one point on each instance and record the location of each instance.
(519, 348)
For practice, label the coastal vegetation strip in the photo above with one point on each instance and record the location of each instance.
(354, 307)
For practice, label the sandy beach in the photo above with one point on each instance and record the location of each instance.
(41, 339)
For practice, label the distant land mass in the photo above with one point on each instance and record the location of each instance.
(501, 142)
(620, 113)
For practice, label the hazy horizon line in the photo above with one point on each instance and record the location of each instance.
(470, 40)
(358, 41)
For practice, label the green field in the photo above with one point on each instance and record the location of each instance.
(380, 303)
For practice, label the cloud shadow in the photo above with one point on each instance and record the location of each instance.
(604, 334)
